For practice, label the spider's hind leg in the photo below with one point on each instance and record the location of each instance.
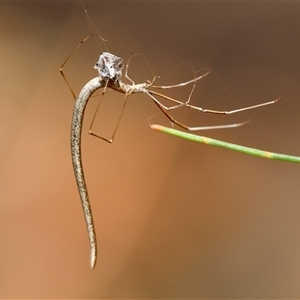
(110, 140)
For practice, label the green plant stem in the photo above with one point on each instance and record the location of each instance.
(230, 146)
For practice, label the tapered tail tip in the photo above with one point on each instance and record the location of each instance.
(93, 259)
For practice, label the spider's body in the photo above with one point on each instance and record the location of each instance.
(109, 67)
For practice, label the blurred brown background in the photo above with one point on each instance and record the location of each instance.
(174, 219)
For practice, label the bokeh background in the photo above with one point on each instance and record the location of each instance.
(174, 219)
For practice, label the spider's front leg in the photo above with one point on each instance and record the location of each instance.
(165, 110)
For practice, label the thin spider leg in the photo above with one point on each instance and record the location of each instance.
(94, 28)
(151, 93)
(188, 100)
(96, 111)
(127, 66)
(181, 84)
(220, 112)
(192, 90)
(108, 90)
(126, 69)
(117, 125)
(61, 67)
(179, 103)
(230, 112)
(189, 128)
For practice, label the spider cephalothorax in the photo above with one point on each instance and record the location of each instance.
(109, 66)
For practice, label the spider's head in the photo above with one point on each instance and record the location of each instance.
(109, 66)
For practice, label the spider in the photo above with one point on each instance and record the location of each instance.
(109, 67)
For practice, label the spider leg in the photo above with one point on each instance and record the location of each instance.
(117, 125)
(165, 110)
(220, 112)
(189, 128)
(179, 103)
(61, 67)
(126, 69)
(230, 112)
(182, 83)
(150, 83)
